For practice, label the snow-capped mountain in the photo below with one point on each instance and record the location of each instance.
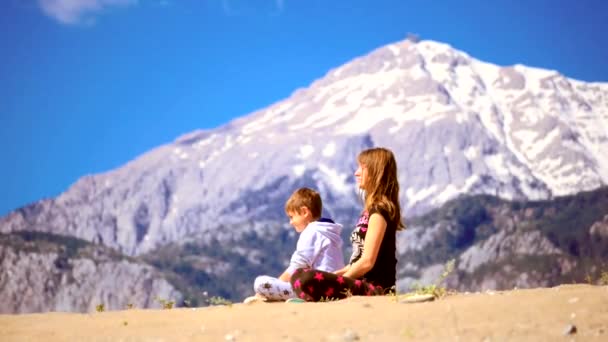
(457, 126)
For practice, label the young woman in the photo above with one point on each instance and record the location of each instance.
(372, 266)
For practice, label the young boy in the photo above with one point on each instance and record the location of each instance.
(319, 246)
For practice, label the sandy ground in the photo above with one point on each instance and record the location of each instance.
(518, 315)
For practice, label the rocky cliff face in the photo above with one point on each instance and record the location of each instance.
(39, 275)
(495, 244)
(501, 245)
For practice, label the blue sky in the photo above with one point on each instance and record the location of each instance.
(88, 85)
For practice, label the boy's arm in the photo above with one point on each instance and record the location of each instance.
(304, 253)
(286, 276)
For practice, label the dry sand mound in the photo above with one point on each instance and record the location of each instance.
(562, 313)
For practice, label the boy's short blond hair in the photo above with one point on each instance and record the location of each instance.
(305, 197)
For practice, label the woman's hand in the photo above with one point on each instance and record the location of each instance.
(342, 270)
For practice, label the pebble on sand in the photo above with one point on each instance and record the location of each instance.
(417, 298)
(573, 300)
(570, 329)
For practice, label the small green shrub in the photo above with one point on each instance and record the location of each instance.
(436, 289)
(216, 300)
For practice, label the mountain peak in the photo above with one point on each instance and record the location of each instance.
(457, 126)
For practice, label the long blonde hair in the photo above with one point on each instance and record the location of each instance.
(381, 184)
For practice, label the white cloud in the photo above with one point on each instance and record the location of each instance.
(76, 11)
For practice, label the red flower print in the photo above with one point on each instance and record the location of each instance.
(363, 220)
(358, 283)
(302, 295)
(311, 289)
(340, 280)
(319, 276)
(329, 292)
(297, 284)
(370, 290)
